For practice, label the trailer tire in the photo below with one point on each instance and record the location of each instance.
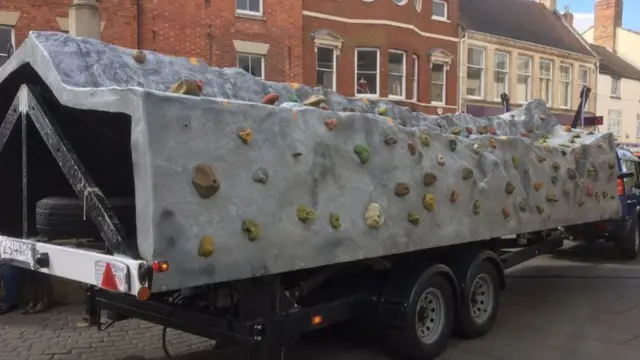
(629, 244)
(429, 321)
(479, 303)
(63, 217)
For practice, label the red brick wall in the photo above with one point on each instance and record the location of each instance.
(385, 38)
(607, 18)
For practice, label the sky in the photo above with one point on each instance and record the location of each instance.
(583, 13)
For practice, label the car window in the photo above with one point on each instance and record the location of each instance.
(630, 182)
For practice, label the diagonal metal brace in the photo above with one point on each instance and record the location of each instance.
(9, 121)
(95, 204)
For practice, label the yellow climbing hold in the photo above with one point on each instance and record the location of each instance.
(207, 247)
(429, 202)
(193, 61)
(365, 100)
(294, 85)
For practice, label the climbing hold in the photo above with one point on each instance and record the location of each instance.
(390, 140)
(456, 131)
(476, 207)
(467, 173)
(555, 166)
(315, 100)
(363, 152)
(296, 155)
(330, 124)
(382, 110)
(205, 181)
(206, 247)
(564, 153)
(483, 129)
(305, 214)
(612, 197)
(453, 145)
(429, 202)
(522, 205)
(271, 99)
(429, 179)
(493, 143)
(537, 186)
(611, 165)
(401, 189)
(187, 87)
(373, 216)
(440, 159)
(541, 158)
(581, 203)
(425, 140)
(566, 191)
(597, 195)
(139, 56)
(261, 175)
(412, 149)
(390, 121)
(571, 174)
(476, 148)
(605, 195)
(246, 135)
(578, 136)
(540, 209)
(252, 228)
(554, 179)
(505, 212)
(469, 130)
(516, 161)
(492, 131)
(414, 218)
(334, 221)
(551, 197)
(524, 135)
(545, 146)
(509, 188)
(348, 109)
(567, 128)
(600, 146)
(591, 171)
(324, 107)
(530, 129)
(542, 117)
(455, 196)
(543, 141)
(293, 98)
(589, 190)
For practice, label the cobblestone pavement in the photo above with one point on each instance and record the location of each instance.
(576, 306)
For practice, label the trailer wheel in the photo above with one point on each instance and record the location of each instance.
(629, 244)
(430, 316)
(62, 217)
(480, 302)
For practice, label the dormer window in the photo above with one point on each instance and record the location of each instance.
(439, 10)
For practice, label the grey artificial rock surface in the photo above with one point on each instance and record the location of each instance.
(312, 166)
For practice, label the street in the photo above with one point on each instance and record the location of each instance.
(578, 305)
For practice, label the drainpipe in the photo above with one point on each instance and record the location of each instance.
(84, 19)
(139, 23)
(462, 68)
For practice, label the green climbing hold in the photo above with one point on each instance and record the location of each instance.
(551, 197)
(516, 161)
(414, 219)
(555, 166)
(425, 140)
(467, 173)
(306, 214)
(591, 172)
(293, 98)
(453, 144)
(429, 179)
(476, 207)
(522, 205)
(334, 220)
(509, 188)
(456, 131)
(382, 110)
(252, 228)
(540, 209)
(429, 202)
(565, 145)
(363, 152)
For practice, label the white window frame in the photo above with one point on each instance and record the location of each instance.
(616, 93)
(248, 12)
(262, 62)
(482, 73)
(404, 75)
(444, 83)
(529, 74)
(581, 83)
(377, 93)
(638, 125)
(504, 71)
(414, 95)
(569, 94)
(617, 120)
(549, 99)
(335, 66)
(13, 39)
(446, 11)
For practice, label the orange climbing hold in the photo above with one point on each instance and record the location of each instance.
(246, 136)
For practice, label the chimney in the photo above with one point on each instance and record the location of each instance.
(567, 15)
(551, 5)
(84, 19)
(608, 18)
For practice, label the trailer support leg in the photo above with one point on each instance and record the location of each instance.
(91, 306)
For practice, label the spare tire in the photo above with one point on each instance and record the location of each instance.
(63, 217)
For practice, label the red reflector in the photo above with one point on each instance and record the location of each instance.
(108, 279)
(601, 226)
(620, 187)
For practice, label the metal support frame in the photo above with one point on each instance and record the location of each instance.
(579, 116)
(29, 102)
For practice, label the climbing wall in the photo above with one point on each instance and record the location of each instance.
(237, 177)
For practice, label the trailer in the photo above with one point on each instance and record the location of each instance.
(97, 139)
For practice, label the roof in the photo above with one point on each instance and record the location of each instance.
(523, 20)
(612, 64)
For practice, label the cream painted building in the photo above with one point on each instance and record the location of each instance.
(499, 54)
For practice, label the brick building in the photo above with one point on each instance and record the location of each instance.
(404, 50)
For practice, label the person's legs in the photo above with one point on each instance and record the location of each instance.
(44, 290)
(11, 280)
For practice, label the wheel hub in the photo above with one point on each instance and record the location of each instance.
(481, 298)
(430, 314)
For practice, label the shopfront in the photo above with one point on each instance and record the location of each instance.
(564, 119)
(634, 148)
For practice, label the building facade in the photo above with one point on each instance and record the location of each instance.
(546, 60)
(618, 94)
